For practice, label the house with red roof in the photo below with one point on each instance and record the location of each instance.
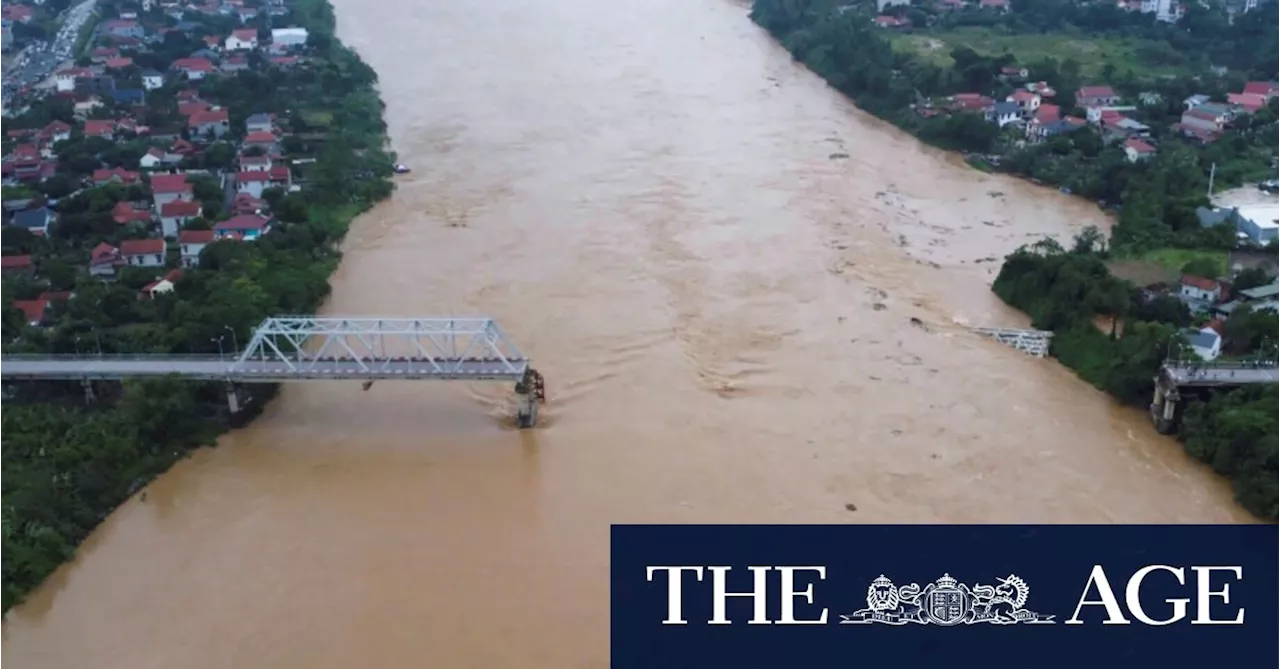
(126, 213)
(104, 260)
(285, 61)
(1267, 89)
(265, 141)
(17, 265)
(64, 80)
(1247, 102)
(242, 39)
(210, 122)
(105, 128)
(123, 28)
(23, 163)
(193, 106)
(143, 252)
(1204, 117)
(117, 63)
(259, 163)
(153, 158)
(174, 215)
(1200, 289)
(252, 182)
(162, 285)
(971, 102)
(35, 311)
(115, 175)
(1045, 115)
(18, 13)
(245, 203)
(1135, 149)
(167, 188)
(244, 226)
(103, 53)
(191, 243)
(55, 132)
(1027, 102)
(194, 68)
(1096, 96)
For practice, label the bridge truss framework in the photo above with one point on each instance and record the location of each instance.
(302, 348)
(442, 348)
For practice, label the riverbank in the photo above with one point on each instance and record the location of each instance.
(1129, 156)
(847, 50)
(1069, 292)
(67, 466)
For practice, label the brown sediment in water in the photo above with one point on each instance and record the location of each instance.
(642, 194)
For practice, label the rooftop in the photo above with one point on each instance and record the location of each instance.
(1262, 215)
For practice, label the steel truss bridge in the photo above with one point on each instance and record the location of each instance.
(306, 348)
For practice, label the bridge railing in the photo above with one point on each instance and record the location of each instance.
(91, 357)
(1219, 364)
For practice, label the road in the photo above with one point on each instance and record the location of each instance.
(35, 63)
(1216, 375)
(260, 371)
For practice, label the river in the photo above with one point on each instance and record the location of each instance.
(644, 195)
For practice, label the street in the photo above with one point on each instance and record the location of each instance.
(35, 63)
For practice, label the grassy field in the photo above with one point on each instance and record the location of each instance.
(1093, 53)
(1163, 265)
(1175, 259)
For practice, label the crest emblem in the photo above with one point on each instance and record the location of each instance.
(947, 602)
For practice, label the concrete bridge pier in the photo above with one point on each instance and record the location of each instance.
(530, 392)
(1164, 407)
(233, 399)
(88, 391)
(526, 409)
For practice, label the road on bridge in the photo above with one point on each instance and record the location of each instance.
(261, 371)
(1190, 375)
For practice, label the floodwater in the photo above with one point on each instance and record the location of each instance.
(644, 195)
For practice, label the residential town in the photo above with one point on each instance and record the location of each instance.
(180, 174)
(1033, 113)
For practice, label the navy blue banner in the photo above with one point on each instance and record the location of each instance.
(815, 596)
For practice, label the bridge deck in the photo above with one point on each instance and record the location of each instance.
(1221, 375)
(260, 371)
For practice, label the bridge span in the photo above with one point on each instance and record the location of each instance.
(306, 348)
(1177, 375)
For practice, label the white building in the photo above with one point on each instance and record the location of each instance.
(1206, 343)
(1259, 222)
(152, 80)
(291, 36)
(1200, 289)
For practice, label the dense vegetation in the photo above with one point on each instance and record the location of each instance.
(838, 41)
(1070, 292)
(66, 466)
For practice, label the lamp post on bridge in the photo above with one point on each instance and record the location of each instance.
(77, 344)
(219, 340)
(235, 341)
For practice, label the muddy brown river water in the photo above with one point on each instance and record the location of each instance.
(644, 195)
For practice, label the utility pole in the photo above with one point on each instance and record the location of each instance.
(1213, 170)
